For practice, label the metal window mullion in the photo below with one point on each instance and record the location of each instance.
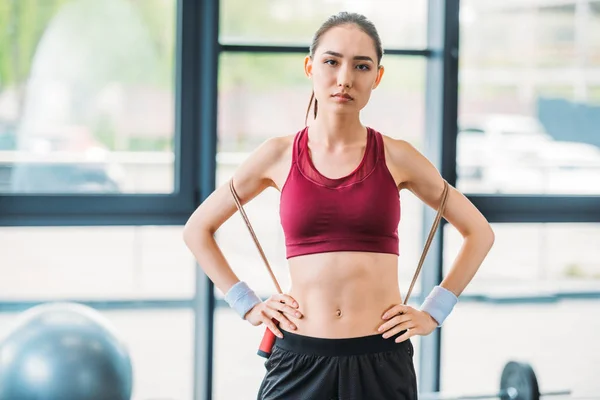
(198, 59)
(441, 113)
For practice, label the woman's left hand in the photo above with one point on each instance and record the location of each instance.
(401, 317)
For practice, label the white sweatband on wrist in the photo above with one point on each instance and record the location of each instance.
(241, 298)
(439, 304)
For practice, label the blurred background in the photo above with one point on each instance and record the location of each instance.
(95, 111)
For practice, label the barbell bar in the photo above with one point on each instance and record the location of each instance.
(517, 382)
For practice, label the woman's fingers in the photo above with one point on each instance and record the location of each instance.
(286, 299)
(406, 335)
(397, 309)
(398, 328)
(398, 319)
(273, 310)
(285, 308)
(271, 325)
(283, 321)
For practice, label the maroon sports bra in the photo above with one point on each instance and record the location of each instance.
(358, 212)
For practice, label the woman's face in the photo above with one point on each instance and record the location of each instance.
(344, 69)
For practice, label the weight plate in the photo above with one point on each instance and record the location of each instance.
(519, 376)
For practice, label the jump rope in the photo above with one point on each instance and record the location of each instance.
(268, 340)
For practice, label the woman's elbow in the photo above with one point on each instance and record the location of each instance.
(488, 236)
(187, 233)
(483, 235)
(193, 230)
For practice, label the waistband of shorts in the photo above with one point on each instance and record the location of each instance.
(339, 347)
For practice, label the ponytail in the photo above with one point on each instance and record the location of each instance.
(312, 97)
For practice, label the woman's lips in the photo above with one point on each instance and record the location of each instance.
(342, 97)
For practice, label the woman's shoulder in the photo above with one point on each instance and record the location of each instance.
(397, 149)
(273, 151)
(277, 145)
(411, 165)
(265, 160)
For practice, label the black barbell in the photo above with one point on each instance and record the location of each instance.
(517, 382)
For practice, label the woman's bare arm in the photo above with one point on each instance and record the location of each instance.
(250, 179)
(420, 176)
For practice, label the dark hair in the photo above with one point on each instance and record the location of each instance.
(344, 18)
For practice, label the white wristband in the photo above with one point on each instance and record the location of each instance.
(241, 298)
(439, 304)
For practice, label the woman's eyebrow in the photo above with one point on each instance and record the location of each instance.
(336, 54)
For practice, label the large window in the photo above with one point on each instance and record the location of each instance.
(89, 135)
(87, 96)
(251, 111)
(141, 279)
(91, 263)
(530, 301)
(528, 106)
(287, 22)
(528, 154)
(263, 95)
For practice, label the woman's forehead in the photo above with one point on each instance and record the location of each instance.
(347, 40)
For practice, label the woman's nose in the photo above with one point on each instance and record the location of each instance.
(344, 77)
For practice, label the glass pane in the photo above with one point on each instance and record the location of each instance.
(251, 89)
(251, 110)
(401, 24)
(95, 263)
(529, 110)
(86, 96)
(160, 345)
(535, 294)
(235, 344)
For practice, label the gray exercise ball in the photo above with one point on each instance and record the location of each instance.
(64, 351)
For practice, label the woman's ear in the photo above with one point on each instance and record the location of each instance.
(308, 66)
(380, 71)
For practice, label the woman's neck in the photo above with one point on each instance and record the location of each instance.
(332, 130)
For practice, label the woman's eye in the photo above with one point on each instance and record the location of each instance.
(363, 67)
(330, 62)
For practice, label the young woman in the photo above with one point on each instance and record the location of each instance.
(342, 330)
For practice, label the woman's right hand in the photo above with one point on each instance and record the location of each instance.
(278, 307)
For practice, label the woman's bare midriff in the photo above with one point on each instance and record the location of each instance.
(343, 294)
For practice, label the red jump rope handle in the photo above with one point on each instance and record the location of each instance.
(268, 340)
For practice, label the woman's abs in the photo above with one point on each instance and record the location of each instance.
(343, 294)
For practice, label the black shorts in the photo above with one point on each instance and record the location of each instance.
(363, 368)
